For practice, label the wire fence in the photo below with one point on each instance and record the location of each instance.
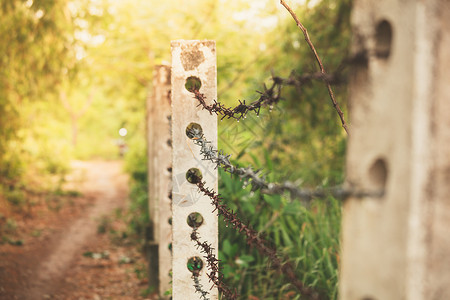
(253, 239)
(372, 164)
(269, 97)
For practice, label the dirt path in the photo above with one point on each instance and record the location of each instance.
(52, 265)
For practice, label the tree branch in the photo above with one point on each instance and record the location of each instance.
(319, 61)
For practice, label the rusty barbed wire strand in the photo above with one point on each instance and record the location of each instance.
(214, 275)
(258, 182)
(254, 240)
(268, 97)
(319, 61)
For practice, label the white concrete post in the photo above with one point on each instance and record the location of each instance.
(398, 246)
(194, 60)
(160, 162)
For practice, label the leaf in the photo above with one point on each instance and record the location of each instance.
(291, 209)
(273, 200)
(227, 270)
(255, 159)
(226, 180)
(226, 248)
(269, 163)
(247, 258)
(244, 260)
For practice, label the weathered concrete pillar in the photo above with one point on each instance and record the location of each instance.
(398, 246)
(159, 176)
(193, 62)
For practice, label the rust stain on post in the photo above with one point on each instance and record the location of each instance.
(192, 58)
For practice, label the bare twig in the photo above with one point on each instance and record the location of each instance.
(319, 61)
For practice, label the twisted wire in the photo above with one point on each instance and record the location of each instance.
(214, 274)
(257, 180)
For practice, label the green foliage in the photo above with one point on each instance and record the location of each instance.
(308, 236)
(36, 52)
(136, 166)
(302, 135)
(16, 197)
(301, 140)
(8, 231)
(73, 73)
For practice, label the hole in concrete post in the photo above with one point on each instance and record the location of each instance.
(194, 131)
(383, 37)
(194, 264)
(195, 219)
(378, 173)
(194, 175)
(169, 221)
(193, 84)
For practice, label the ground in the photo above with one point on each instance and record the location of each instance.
(73, 248)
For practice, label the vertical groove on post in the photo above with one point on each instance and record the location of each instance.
(159, 161)
(192, 59)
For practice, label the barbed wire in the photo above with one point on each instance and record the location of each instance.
(268, 97)
(257, 181)
(254, 240)
(214, 275)
(199, 287)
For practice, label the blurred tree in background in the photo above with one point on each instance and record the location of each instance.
(37, 52)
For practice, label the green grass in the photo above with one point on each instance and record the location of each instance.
(307, 236)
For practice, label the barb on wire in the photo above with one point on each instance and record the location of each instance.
(199, 287)
(253, 239)
(319, 61)
(258, 181)
(215, 276)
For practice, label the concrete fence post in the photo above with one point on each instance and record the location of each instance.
(193, 64)
(159, 179)
(398, 246)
